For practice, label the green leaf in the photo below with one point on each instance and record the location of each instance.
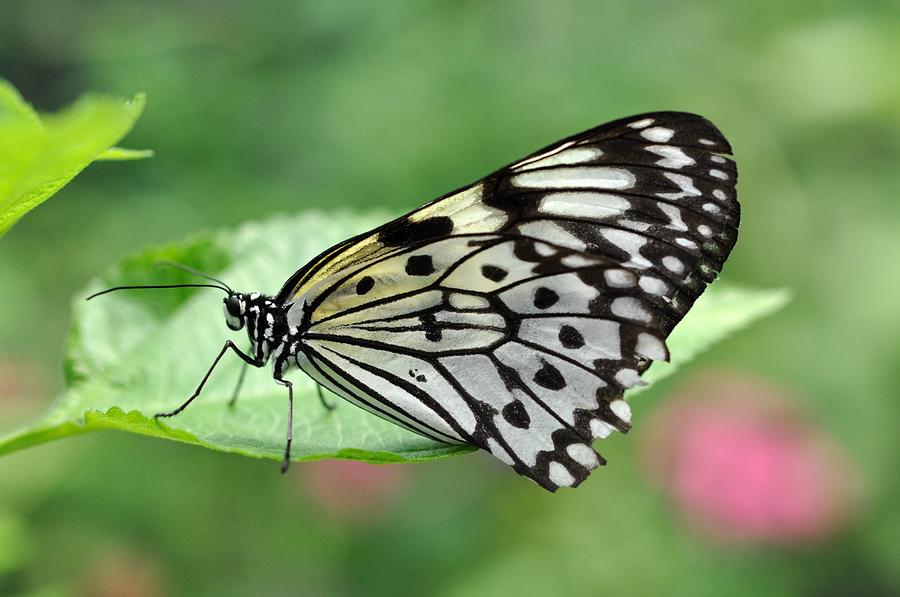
(132, 354)
(39, 155)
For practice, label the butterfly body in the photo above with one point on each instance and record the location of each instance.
(514, 313)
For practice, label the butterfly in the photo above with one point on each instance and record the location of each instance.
(513, 313)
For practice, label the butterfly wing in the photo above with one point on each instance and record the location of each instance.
(514, 313)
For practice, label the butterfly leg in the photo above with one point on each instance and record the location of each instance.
(325, 403)
(228, 345)
(237, 388)
(290, 430)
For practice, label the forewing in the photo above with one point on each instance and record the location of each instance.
(656, 189)
(514, 313)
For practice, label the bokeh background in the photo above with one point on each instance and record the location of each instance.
(767, 467)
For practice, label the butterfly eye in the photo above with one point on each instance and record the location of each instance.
(233, 304)
(234, 311)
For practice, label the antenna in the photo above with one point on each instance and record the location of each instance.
(191, 270)
(142, 287)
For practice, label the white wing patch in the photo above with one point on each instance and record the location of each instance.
(583, 205)
(566, 157)
(576, 178)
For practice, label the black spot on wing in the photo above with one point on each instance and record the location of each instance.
(419, 265)
(516, 415)
(403, 231)
(544, 297)
(569, 337)
(493, 273)
(433, 331)
(549, 377)
(364, 285)
(417, 376)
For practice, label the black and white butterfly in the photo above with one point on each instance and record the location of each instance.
(513, 314)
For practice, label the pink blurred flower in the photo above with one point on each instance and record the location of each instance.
(124, 571)
(19, 381)
(742, 464)
(353, 491)
(22, 393)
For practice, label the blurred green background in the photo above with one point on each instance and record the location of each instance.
(256, 109)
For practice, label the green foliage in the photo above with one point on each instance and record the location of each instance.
(136, 353)
(39, 155)
(14, 547)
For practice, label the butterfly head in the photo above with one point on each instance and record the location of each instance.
(264, 320)
(245, 309)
